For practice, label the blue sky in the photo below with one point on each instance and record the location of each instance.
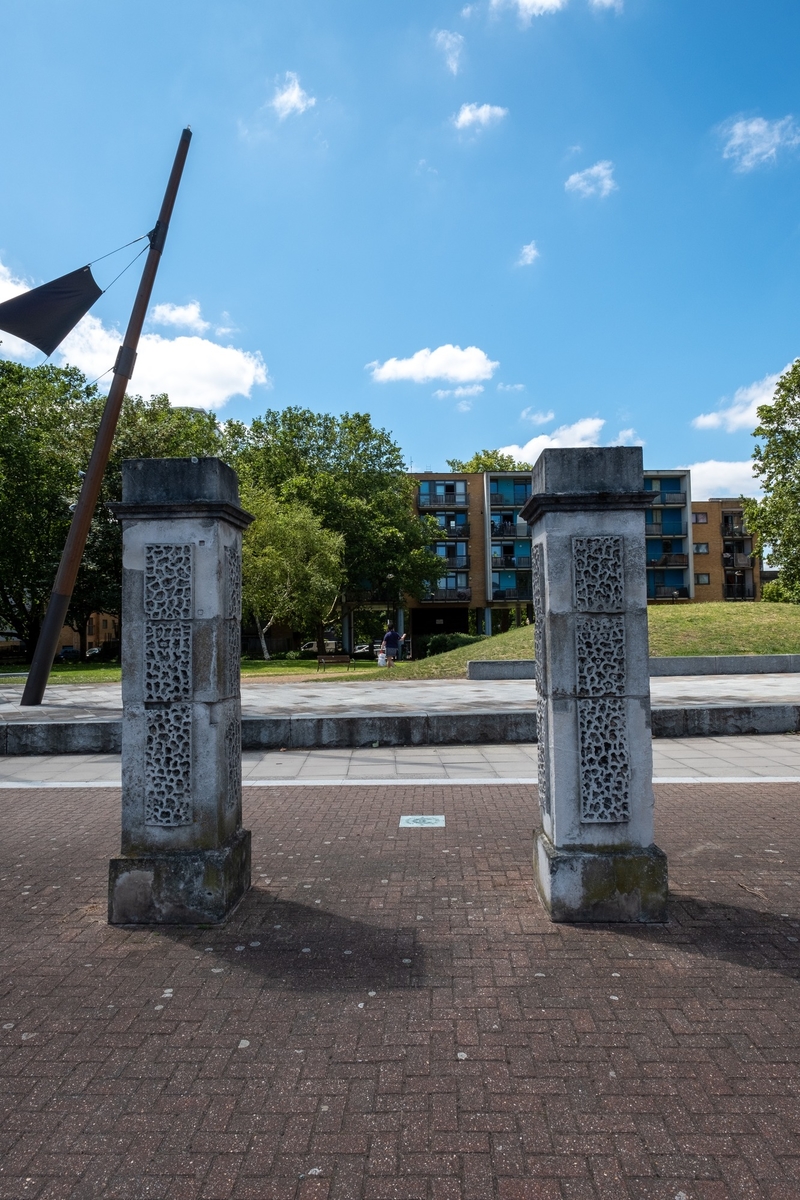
(586, 212)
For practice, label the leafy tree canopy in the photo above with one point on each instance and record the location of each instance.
(775, 519)
(488, 460)
(352, 477)
(291, 564)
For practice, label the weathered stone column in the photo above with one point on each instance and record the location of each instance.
(185, 858)
(594, 857)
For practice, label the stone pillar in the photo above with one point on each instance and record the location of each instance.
(348, 645)
(487, 621)
(594, 856)
(185, 858)
(400, 624)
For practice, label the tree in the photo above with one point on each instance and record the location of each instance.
(488, 460)
(291, 564)
(775, 520)
(353, 478)
(48, 420)
(38, 480)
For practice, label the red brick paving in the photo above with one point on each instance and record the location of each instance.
(654, 1063)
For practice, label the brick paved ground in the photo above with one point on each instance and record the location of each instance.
(390, 1015)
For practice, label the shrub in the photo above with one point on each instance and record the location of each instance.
(779, 592)
(440, 643)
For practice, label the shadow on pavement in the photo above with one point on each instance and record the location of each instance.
(743, 936)
(309, 948)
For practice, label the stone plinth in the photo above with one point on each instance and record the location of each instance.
(185, 858)
(595, 859)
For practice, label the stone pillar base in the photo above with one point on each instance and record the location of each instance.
(625, 884)
(184, 887)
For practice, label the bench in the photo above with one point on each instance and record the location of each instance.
(335, 660)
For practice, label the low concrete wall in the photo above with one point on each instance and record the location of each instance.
(689, 664)
(726, 664)
(501, 668)
(474, 727)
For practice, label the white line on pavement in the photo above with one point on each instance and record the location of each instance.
(394, 782)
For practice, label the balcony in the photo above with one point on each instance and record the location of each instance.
(451, 563)
(447, 595)
(666, 593)
(498, 501)
(452, 530)
(674, 531)
(523, 594)
(510, 531)
(669, 560)
(451, 500)
(661, 499)
(519, 562)
(730, 561)
(736, 530)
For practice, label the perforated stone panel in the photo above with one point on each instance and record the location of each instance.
(168, 766)
(168, 660)
(168, 582)
(604, 761)
(537, 572)
(233, 760)
(597, 566)
(600, 653)
(233, 583)
(233, 653)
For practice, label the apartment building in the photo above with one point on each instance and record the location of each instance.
(725, 567)
(485, 551)
(670, 573)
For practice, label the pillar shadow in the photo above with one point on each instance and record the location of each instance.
(738, 934)
(309, 948)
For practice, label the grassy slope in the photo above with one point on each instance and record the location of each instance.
(674, 629)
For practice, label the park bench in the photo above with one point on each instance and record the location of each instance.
(335, 660)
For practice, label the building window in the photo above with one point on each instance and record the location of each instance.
(699, 518)
(702, 578)
(701, 547)
(105, 623)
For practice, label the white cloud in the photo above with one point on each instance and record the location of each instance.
(627, 437)
(511, 387)
(448, 362)
(740, 412)
(715, 478)
(527, 255)
(537, 418)
(480, 115)
(528, 9)
(194, 371)
(181, 316)
(751, 142)
(616, 4)
(464, 406)
(451, 46)
(472, 389)
(585, 432)
(594, 181)
(10, 346)
(291, 98)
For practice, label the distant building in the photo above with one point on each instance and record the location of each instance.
(669, 547)
(725, 567)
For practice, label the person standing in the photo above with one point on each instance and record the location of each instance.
(390, 645)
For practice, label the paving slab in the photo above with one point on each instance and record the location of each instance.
(389, 1013)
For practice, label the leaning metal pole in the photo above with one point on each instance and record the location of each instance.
(84, 510)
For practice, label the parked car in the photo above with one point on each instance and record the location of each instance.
(330, 646)
(69, 654)
(95, 650)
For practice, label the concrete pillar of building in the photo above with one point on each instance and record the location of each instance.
(487, 621)
(594, 855)
(185, 858)
(400, 624)
(347, 633)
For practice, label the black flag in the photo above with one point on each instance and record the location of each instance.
(45, 315)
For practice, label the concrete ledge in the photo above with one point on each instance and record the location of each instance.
(726, 664)
(502, 668)
(689, 664)
(343, 731)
